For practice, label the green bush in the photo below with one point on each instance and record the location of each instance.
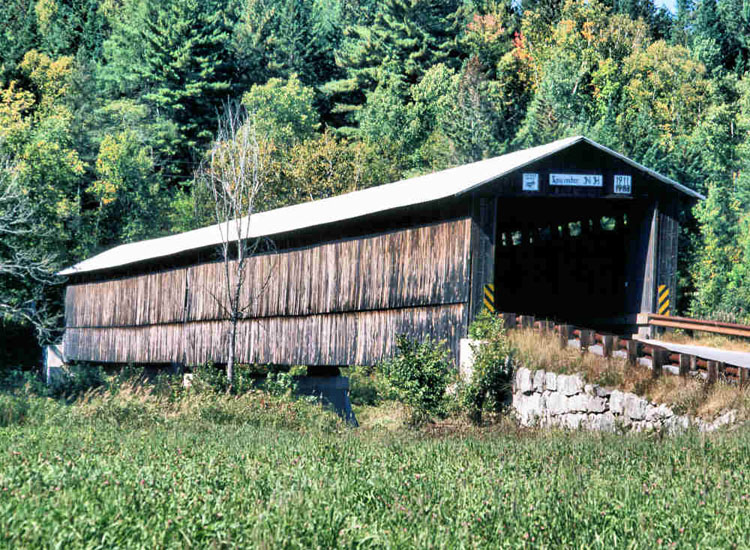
(13, 410)
(419, 376)
(210, 378)
(364, 386)
(280, 384)
(494, 363)
(76, 380)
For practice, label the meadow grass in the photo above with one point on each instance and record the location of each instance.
(133, 471)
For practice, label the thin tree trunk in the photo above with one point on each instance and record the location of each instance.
(232, 352)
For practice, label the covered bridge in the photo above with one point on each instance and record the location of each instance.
(571, 231)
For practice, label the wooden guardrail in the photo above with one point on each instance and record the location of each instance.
(686, 323)
(610, 345)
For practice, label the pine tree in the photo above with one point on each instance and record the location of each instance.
(717, 256)
(711, 41)
(405, 38)
(172, 56)
(70, 27)
(18, 34)
(278, 38)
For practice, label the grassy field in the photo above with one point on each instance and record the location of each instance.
(130, 472)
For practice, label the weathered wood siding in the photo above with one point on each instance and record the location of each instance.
(356, 338)
(335, 303)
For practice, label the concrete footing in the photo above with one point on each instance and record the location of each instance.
(334, 390)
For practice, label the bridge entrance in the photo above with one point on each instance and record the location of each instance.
(566, 259)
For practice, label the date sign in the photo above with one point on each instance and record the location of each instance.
(623, 185)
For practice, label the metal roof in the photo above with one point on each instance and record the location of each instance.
(418, 190)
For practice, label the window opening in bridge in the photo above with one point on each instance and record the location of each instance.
(607, 223)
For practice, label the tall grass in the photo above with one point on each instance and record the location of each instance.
(217, 471)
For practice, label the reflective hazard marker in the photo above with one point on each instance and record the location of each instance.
(489, 297)
(663, 300)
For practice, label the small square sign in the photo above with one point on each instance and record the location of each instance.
(531, 182)
(623, 185)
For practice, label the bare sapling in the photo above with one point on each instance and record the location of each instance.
(234, 172)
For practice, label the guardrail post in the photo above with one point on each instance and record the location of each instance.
(659, 358)
(509, 320)
(608, 344)
(693, 364)
(742, 376)
(685, 363)
(634, 348)
(564, 335)
(713, 371)
(587, 338)
(527, 321)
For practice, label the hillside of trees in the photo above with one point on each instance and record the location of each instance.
(107, 108)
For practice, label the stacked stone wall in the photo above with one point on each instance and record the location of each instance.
(543, 398)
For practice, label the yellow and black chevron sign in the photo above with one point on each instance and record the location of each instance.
(489, 297)
(664, 300)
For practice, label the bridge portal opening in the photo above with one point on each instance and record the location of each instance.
(572, 260)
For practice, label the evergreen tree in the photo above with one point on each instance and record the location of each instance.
(406, 38)
(172, 57)
(682, 23)
(658, 20)
(278, 38)
(719, 222)
(18, 35)
(712, 43)
(735, 18)
(71, 27)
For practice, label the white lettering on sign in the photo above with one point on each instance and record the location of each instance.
(576, 180)
(623, 185)
(531, 182)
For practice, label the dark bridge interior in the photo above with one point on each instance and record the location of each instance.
(570, 259)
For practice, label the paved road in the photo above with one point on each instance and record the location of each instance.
(737, 358)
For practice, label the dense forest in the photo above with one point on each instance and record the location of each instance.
(107, 108)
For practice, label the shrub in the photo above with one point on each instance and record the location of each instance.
(280, 384)
(494, 363)
(210, 378)
(13, 410)
(363, 386)
(77, 379)
(419, 376)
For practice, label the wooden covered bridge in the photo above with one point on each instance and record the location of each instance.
(570, 230)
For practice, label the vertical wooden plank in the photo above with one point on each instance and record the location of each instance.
(660, 357)
(669, 232)
(651, 228)
(509, 320)
(634, 349)
(742, 376)
(685, 362)
(608, 344)
(527, 321)
(713, 371)
(564, 335)
(587, 339)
